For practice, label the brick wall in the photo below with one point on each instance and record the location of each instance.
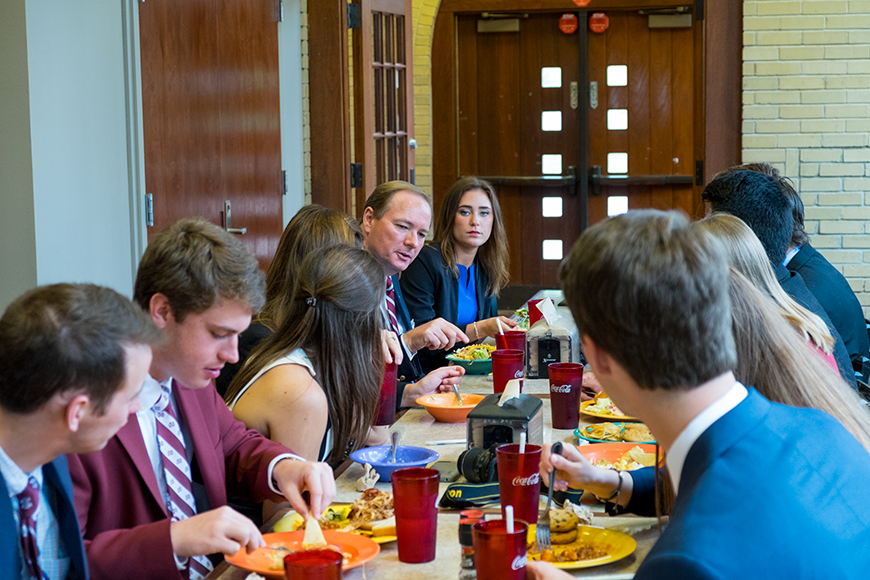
(806, 110)
(423, 22)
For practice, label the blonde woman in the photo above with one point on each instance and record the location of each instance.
(747, 256)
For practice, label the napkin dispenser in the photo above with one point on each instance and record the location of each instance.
(489, 424)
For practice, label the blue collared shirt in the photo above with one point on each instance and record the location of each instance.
(53, 558)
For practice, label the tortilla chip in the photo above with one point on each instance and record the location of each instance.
(313, 535)
(637, 454)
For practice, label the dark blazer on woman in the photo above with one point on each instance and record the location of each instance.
(431, 291)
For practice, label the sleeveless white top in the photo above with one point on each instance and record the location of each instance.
(297, 357)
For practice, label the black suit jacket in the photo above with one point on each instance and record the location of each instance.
(55, 475)
(410, 370)
(835, 295)
(794, 286)
(432, 291)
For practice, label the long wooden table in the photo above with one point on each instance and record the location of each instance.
(418, 428)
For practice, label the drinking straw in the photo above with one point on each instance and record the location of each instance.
(500, 329)
(522, 442)
(509, 517)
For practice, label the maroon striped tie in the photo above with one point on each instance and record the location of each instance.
(176, 470)
(28, 501)
(391, 305)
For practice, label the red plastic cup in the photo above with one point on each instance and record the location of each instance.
(511, 339)
(566, 382)
(506, 365)
(499, 555)
(534, 314)
(519, 480)
(386, 413)
(415, 491)
(313, 565)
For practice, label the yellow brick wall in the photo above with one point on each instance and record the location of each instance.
(423, 23)
(806, 109)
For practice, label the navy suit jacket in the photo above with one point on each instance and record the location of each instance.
(794, 286)
(768, 491)
(432, 291)
(835, 295)
(409, 371)
(55, 476)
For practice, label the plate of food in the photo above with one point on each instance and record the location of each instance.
(622, 456)
(371, 516)
(615, 433)
(475, 358)
(355, 549)
(603, 408)
(576, 545)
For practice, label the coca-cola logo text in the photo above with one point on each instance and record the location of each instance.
(519, 562)
(533, 479)
(560, 388)
(518, 374)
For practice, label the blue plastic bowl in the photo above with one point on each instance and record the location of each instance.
(406, 456)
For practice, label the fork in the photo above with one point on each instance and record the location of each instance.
(542, 529)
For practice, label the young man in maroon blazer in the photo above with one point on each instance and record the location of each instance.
(152, 504)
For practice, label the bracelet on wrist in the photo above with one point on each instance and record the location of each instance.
(614, 497)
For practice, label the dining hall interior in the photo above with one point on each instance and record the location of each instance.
(123, 121)
(119, 118)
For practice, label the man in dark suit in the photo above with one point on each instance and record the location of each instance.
(72, 361)
(153, 503)
(757, 199)
(825, 282)
(752, 478)
(396, 220)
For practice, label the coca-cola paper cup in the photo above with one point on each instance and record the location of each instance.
(506, 365)
(499, 555)
(313, 565)
(386, 413)
(519, 480)
(566, 382)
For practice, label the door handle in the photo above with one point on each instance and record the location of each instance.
(228, 216)
(567, 180)
(597, 180)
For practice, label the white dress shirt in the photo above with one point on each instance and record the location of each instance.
(676, 457)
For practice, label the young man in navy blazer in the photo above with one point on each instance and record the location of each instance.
(758, 493)
(73, 358)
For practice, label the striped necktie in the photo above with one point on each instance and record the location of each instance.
(28, 501)
(391, 305)
(176, 470)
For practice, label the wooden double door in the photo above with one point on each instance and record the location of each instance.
(569, 126)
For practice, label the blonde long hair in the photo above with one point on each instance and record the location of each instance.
(772, 358)
(746, 255)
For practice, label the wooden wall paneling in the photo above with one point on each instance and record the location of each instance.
(632, 141)
(499, 107)
(445, 167)
(720, 37)
(660, 113)
(531, 142)
(683, 115)
(329, 98)
(468, 84)
(249, 121)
